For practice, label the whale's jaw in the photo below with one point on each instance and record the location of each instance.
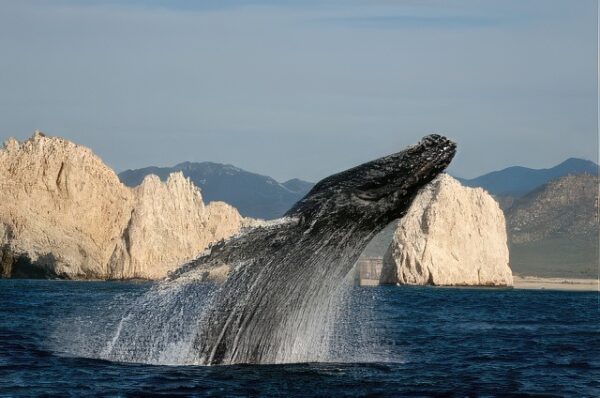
(279, 293)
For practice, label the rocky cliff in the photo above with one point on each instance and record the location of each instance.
(63, 213)
(451, 235)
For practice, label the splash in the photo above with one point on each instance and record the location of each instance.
(161, 326)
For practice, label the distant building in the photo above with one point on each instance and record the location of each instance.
(368, 271)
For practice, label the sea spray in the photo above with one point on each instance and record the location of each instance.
(159, 327)
(156, 327)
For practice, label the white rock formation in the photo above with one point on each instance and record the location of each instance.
(62, 208)
(169, 225)
(451, 236)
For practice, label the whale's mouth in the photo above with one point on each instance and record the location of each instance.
(388, 180)
(391, 177)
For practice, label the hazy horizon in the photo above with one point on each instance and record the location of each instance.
(303, 90)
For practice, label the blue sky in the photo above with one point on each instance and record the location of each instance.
(303, 88)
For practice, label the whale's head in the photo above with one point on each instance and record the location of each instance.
(375, 193)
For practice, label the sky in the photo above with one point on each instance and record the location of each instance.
(303, 88)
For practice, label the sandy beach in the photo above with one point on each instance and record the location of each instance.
(535, 282)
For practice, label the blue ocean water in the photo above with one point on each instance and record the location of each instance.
(424, 341)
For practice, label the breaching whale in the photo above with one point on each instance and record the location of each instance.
(283, 275)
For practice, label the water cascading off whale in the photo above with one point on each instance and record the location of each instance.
(277, 298)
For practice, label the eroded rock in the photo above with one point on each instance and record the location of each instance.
(64, 213)
(451, 235)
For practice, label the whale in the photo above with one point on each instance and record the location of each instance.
(277, 297)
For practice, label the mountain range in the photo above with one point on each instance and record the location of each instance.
(254, 195)
(259, 196)
(517, 181)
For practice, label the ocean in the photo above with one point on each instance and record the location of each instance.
(392, 341)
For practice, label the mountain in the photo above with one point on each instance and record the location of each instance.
(565, 206)
(517, 181)
(553, 230)
(254, 195)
